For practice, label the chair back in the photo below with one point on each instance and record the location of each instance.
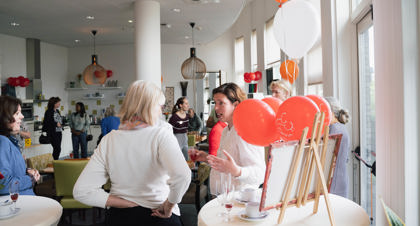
(66, 174)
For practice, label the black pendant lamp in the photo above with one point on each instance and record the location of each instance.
(94, 73)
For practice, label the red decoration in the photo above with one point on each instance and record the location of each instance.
(97, 74)
(293, 115)
(26, 82)
(258, 75)
(323, 107)
(252, 76)
(109, 74)
(254, 121)
(273, 102)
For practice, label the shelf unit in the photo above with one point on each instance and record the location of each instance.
(75, 89)
(109, 88)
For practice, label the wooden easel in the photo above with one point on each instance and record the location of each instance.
(313, 161)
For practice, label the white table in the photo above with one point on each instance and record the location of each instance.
(34, 210)
(345, 211)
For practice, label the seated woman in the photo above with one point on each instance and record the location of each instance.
(12, 164)
(110, 122)
(244, 161)
(142, 160)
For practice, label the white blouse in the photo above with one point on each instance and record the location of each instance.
(249, 157)
(145, 166)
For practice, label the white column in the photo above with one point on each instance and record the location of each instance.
(397, 97)
(329, 48)
(147, 41)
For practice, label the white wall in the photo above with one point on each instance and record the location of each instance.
(53, 74)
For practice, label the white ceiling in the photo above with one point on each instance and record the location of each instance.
(61, 22)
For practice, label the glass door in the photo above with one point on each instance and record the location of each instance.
(367, 113)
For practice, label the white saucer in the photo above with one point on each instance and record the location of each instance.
(12, 214)
(242, 215)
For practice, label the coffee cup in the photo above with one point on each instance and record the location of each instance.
(5, 208)
(252, 209)
(249, 195)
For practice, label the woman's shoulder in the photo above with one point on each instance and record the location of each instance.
(4, 142)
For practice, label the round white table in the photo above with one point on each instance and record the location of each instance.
(34, 210)
(345, 211)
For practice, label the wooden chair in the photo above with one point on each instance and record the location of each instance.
(66, 174)
(289, 179)
(199, 188)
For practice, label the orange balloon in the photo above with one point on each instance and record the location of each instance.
(323, 107)
(289, 70)
(273, 102)
(254, 122)
(293, 116)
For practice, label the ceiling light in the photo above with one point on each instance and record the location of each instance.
(130, 21)
(187, 37)
(77, 41)
(199, 28)
(14, 24)
(176, 10)
(90, 17)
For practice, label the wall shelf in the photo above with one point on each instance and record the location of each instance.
(75, 89)
(93, 98)
(111, 87)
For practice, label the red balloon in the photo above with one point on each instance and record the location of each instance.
(15, 81)
(108, 73)
(252, 76)
(273, 102)
(254, 122)
(246, 75)
(26, 82)
(258, 75)
(97, 74)
(21, 81)
(10, 81)
(293, 115)
(323, 107)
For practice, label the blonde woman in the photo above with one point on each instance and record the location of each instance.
(281, 89)
(142, 159)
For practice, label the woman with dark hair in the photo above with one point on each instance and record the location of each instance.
(53, 125)
(179, 121)
(79, 125)
(12, 164)
(244, 161)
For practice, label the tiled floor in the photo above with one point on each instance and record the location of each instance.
(188, 216)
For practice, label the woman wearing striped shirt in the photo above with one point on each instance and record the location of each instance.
(179, 121)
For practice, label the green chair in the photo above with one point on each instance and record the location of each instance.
(66, 174)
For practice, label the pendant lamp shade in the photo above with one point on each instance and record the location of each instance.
(193, 67)
(94, 73)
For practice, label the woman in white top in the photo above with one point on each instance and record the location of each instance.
(143, 161)
(245, 162)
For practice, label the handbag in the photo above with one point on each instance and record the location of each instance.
(44, 139)
(89, 137)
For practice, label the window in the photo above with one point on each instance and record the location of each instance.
(316, 89)
(254, 59)
(272, 50)
(367, 113)
(239, 61)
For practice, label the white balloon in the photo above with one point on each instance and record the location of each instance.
(296, 27)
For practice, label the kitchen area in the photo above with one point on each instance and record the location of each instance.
(44, 64)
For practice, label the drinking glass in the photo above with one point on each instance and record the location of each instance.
(14, 192)
(229, 195)
(193, 155)
(220, 194)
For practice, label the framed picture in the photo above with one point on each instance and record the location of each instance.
(169, 100)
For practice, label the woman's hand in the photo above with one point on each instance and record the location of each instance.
(58, 124)
(200, 156)
(34, 173)
(227, 165)
(164, 210)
